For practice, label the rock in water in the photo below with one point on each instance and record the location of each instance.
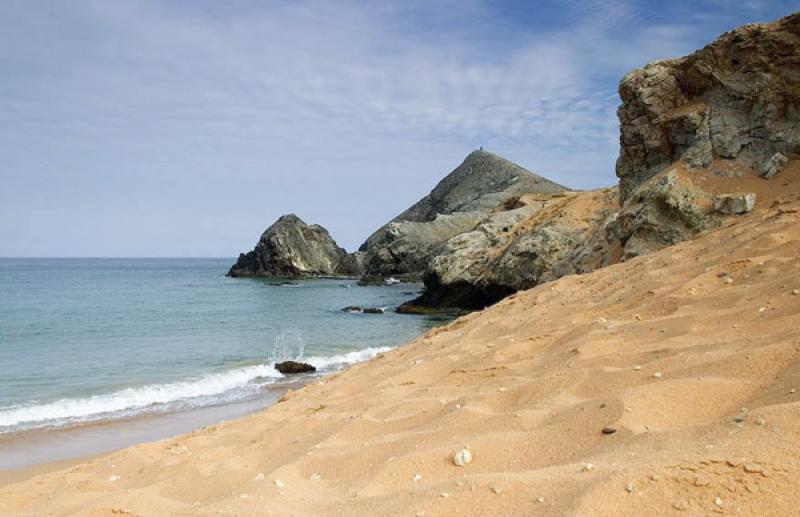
(733, 99)
(291, 367)
(293, 249)
(734, 204)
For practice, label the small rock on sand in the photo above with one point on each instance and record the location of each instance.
(587, 467)
(279, 483)
(462, 457)
(657, 375)
(609, 430)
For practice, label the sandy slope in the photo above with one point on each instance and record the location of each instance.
(692, 354)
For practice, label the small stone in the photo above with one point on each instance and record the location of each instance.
(629, 488)
(501, 389)
(462, 457)
(279, 483)
(657, 375)
(718, 502)
(728, 280)
(587, 467)
(796, 292)
(654, 477)
(113, 478)
(792, 390)
(680, 505)
(637, 367)
(315, 477)
(609, 430)
(760, 420)
(540, 500)
(417, 478)
(444, 494)
(496, 490)
(259, 477)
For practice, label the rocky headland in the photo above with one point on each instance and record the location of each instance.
(703, 138)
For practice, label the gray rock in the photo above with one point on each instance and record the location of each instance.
(481, 184)
(293, 249)
(774, 165)
(661, 212)
(734, 204)
(736, 98)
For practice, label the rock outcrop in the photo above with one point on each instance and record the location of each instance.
(456, 205)
(737, 98)
(291, 248)
(548, 237)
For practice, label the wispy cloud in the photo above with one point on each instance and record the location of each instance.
(219, 116)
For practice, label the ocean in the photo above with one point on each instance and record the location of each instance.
(86, 341)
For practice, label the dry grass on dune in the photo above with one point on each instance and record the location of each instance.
(690, 355)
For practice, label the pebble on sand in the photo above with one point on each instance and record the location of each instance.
(279, 483)
(629, 487)
(587, 467)
(462, 457)
(609, 430)
(718, 502)
(657, 375)
(417, 478)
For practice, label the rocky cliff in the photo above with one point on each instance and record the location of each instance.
(736, 99)
(702, 138)
(457, 204)
(291, 248)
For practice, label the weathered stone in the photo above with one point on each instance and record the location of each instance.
(292, 367)
(734, 204)
(774, 165)
(293, 249)
(481, 184)
(736, 98)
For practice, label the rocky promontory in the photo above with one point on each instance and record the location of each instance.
(457, 204)
(290, 248)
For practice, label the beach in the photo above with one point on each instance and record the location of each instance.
(663, 385)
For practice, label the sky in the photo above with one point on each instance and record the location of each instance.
(185, 128)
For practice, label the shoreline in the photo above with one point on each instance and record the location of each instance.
(29, 453)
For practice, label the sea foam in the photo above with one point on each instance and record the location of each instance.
(224, 387)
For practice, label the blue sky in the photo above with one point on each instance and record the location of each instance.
(184, 128)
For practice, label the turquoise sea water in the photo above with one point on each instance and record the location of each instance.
(84, 340)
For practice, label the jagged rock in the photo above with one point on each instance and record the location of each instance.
(481, 184)
(734, 204)
(661, 212)
(292, 367)
(737, 98)
(291, 248)
(775, 165)
(518, 249)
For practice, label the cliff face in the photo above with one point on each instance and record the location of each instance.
(293, 249)
(456, 205)
(736, 99)
(701, 138)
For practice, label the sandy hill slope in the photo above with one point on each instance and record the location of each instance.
(689, 357)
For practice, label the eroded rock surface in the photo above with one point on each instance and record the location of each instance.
(293, 249)
(737, 98)
(456, 205)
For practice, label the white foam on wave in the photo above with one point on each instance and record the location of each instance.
(203, 391)
(132, 399)
(338, 361)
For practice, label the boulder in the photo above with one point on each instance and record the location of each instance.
(293, 367)
(734, 204)
(293, 249)
(737, 98)
(775, 165)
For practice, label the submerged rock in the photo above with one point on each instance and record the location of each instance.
(292, 367)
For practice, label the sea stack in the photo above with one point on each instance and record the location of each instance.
(290, 248)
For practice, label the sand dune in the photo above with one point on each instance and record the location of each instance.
(690, 355)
